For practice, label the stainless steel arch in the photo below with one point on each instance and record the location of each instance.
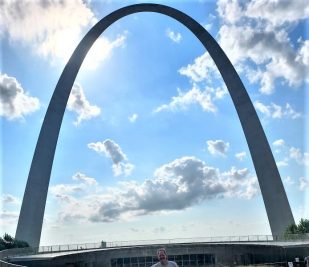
(32, 211)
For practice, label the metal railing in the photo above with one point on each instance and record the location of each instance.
(103, 245)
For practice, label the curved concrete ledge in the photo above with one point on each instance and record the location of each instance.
(33, 206)
(7, 264)
(217, 254)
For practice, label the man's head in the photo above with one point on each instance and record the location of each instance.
(162, 256)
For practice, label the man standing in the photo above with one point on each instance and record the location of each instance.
(163, 261)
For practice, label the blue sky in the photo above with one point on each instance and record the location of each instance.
(151, 146)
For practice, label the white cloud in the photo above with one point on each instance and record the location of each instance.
(83, 178)
(236, 174)
(15, 102)
(278, 13)
(133, 117)
(278, 143)
(58, 20)
(269, 14)
(299, 157)
(289, 181)
(290, 153)
(277, 112)
(220, 92)
(8, 217)
(175, 186)
(303, 184)
(208, 26)
(258, 31)
(102, 49)
(72, 208)
(241, 155)
(271, 50)
(64, 189)
(194, 96)
(230, 11)
(202, 69)
(303, 54)
(112, 150)
(53, 28)
(251, 189)
(289, 112)
(175, 37)
(69, 195)
(78, 103)
(9, 199)
(283, 163)
(217, 147)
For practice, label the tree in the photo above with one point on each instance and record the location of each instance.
(301, 228)
(7, 242)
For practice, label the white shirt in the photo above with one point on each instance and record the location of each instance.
(169, 264)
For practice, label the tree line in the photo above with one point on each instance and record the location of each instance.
(7, 242)
(301, 228)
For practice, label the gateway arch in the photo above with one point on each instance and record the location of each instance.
(32, 210)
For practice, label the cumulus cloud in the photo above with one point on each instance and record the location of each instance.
(112, 150)
(258, 31)
(283, 163)
(58, 21)
(69, 196)
(290, 153)
(133, 117)
(102, 49)
(9, 199)
(299, 157)
(217, 147)
(236, 174)
(175, 37)
(303, 54)
(241, 155)
(230, 11)
(78, 103)
(277, 13)
(72, 208)
(85, 179)
(202, 69)
(15, 102)
(303, 184)
(177, 185)
(289, 181)
(8, 217)
(279, 143)
(275, 111)
(195, 96)
(208, 26)
(60, 190)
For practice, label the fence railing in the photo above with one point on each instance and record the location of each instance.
(101, 245)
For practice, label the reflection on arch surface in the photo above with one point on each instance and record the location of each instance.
(32, 212)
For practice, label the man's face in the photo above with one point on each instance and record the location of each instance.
(162, 256)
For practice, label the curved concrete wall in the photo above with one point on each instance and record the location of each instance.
(31, 215)
(221, 255)
(7, 264)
